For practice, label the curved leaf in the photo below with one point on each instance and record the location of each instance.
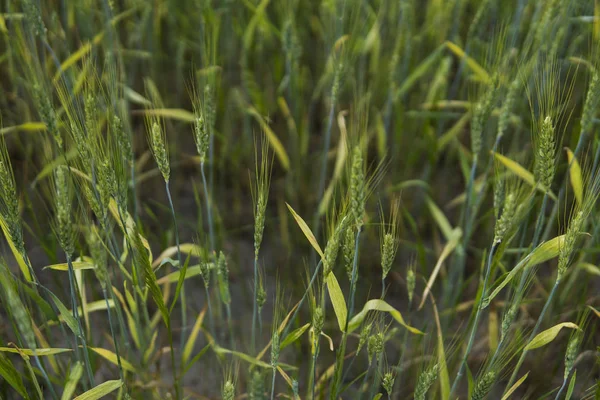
(379, 305)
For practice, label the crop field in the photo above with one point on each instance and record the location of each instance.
(299, 199)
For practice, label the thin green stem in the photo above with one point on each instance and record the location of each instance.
(476, 321)
(114, 337)
(273, 383)
(81, 333)
(211, 234)
(255, 306)
(533, 333)
(182, 292)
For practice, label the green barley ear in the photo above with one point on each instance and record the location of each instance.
(260, 191)
(98, 208)
(257, 386)
(545, 154)
(574, 345)
(33, 16)
(318, 320)
(158, 147)
(228, 391)
(9, 200)
(504, 223)
(205, 272)
(200, 128)
(363, 338)
(484, 385)
(123, 140)
(155, 132)
(375, 345)
(15, 305)
(388, 383)
(333, 246)
(567, 249)
(275, 348)
(389, 239)
(98, 253)
(507, 106)
(348, 250)
(481, 114)
(499, 190)
(592, 101)
(548, 101)
(411, 280)
(509, 317)
(63, 196)
(47, 113)
(296, 389)
(223, 278)
(425, 380)
(358, 189)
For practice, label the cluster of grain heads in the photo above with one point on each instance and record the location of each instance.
(47, 113)
(375, 345)
(481, 115)
(158, 146)
(63, 196)
(358, 187)
(99, 255)
(364, 335)
(411, 280)
(260, 195)
(389, 242)
(388, 383)
(590, 106)
(333, 246)
(200, 136)
(425, 380)
(9, 202)
(348, 250)
(21, 318)
(572, 351)
(567, 249)
(256, 386)
(484, 385)
(33, 16)
(228, 391)
(545, 154)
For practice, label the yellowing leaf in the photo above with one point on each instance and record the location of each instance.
(27, 127)
(189, 345)
(72, 381)
(101, 390)
(293, 336)
(515, 387)
(20, 260)
(540, 254)
(471, 63)
(575, 176)
(178, 114)
(545, 337)
(382, 306)
(440, 219)
(516, 168)
(306, 230)
(448, 248)
(274, 141)
(337, 300)
(38, 352)
(112, 357)
(76, 265)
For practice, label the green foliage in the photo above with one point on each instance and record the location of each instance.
(340, 108)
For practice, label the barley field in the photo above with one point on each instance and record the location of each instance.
(299, 199)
